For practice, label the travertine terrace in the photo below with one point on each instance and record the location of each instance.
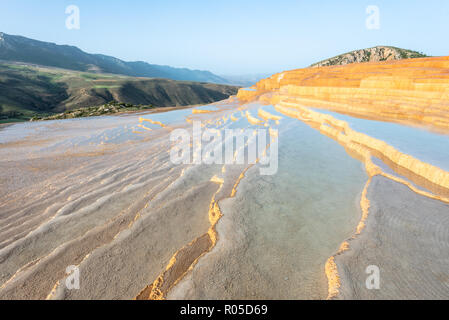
(414, 91)
(362, 180)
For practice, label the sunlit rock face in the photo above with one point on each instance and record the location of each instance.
(414, 91)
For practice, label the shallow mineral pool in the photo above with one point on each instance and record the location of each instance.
(279, 230)
(427, 146)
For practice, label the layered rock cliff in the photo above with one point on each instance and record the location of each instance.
(414, 91)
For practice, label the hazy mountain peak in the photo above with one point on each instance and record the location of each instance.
(374, 54)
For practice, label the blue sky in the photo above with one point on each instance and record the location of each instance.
(231, 37)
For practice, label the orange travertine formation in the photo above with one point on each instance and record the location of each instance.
(196, 111)
(267, 116)
(141, 120)
(247, 95)
(251, 119)
(415, 91)
(333, 278)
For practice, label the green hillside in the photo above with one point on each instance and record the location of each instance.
(28, 91)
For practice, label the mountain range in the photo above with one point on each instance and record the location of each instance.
(21, 49)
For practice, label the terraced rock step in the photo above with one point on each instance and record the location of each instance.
(414, 91)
